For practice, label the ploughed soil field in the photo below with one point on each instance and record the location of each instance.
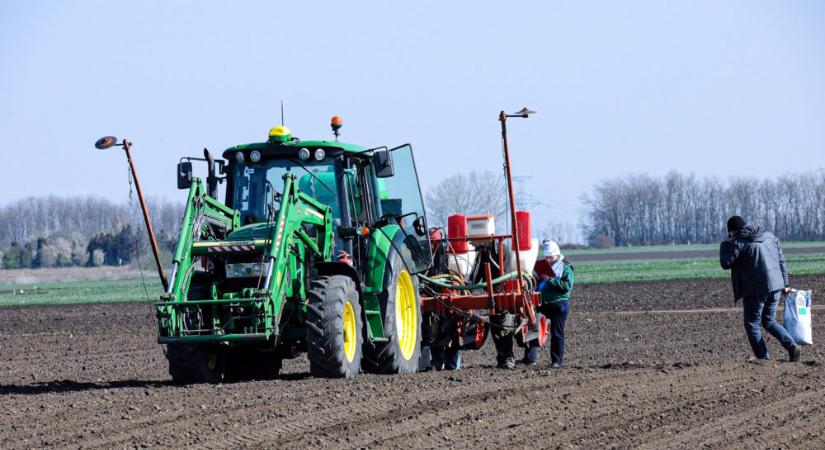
(651, 365)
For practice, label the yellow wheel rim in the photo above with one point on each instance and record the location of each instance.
(349, 331)
(406, 315)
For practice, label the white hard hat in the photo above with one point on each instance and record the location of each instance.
(550, 248)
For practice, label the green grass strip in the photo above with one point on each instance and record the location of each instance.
(593, 272)
(587, 272)
(65, 293)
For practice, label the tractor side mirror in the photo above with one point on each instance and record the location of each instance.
(420, 226)
(184, 175)
(382, 161)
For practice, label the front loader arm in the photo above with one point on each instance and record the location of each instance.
(203, 213)
(296, 210)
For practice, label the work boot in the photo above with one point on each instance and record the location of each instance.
(509, 363)
(794, 354)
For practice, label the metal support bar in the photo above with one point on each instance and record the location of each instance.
(172, 278)
(211, 302)
(503, 118)
(488, 275)
(127, 145)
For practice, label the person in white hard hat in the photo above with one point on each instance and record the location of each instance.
(556, 283)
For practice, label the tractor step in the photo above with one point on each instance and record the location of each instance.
(211, 302)
(213, 338)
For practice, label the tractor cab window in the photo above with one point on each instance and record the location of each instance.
(255, 185)
(400, 197)
(359, 177)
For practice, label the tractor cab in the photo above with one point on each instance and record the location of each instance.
(364, 189)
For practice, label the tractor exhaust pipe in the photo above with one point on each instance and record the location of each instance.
(110, 141)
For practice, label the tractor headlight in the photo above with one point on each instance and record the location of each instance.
(255, 156)
(239, 157)
(303, 154)
(320, 154)
(241, 270)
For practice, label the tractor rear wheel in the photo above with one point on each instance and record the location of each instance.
(193, 363)
(334, 328)
(401, 310)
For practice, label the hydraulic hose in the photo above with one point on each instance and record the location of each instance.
(505, 277)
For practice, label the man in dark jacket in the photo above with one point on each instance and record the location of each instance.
(760, 277)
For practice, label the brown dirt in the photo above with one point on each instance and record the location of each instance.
(650, 365)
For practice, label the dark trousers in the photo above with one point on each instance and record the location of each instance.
(556, 313)
(503, 341)
(761, 312)
(446, 358)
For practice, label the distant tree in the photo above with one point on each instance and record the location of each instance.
(11, 257)
(601, 241)
(63, 252)
(27, 256)
(63, 260)
(118, 248)
(469, 194)
(46, 255)
(98, 258)
(103, 242)
(562, 233)
(79, 256)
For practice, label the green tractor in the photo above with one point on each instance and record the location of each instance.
(315, 250)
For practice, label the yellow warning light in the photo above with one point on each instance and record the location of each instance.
(279, 134)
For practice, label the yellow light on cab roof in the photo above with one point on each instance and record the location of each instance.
(279, 134)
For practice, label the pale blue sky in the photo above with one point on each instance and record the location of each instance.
(718, 88)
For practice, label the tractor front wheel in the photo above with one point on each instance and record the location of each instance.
(334, 328)
(192, 363)
(249, 363)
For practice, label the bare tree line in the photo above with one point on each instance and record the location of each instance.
(682, 208)
(478, 193)
(474, 193)
(31, 218)
(78, 231)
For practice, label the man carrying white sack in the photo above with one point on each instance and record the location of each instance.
(760, 277)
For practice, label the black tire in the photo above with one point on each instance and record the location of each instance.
(196, 363)
(193, 363)
(389, 356)
(249, 363)
(327, 341)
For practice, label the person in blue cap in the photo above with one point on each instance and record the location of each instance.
(556, 283)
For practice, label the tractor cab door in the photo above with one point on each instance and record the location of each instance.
(400, 197)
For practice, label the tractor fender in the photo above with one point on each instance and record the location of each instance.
(341, 268)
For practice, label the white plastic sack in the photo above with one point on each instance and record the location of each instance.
(798, 316)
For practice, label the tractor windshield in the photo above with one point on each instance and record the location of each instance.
(254, 184)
